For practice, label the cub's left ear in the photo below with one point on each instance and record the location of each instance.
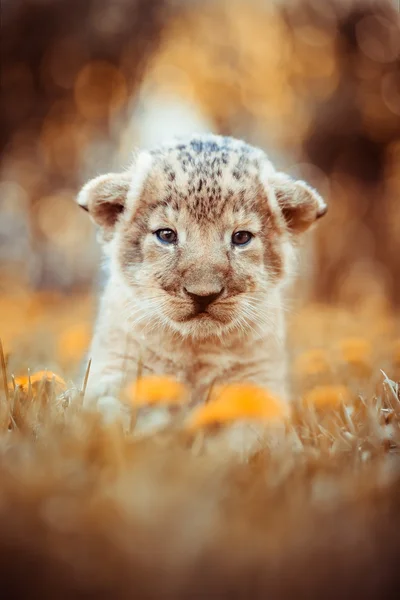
(300, 204)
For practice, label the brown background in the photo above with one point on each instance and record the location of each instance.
(317, 84)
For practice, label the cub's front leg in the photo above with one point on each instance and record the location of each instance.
(114, 365)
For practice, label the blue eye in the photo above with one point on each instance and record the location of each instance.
(167, 236)
(241, 238)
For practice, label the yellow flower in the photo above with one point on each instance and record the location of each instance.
(312, 362)
(356, 351)
(156, 389)
(239, 401)
(39, 377)
(327, 396)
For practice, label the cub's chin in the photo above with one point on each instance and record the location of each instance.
(204, 325)
(200, 328)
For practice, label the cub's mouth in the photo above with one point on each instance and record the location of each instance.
(214, 314)
(219, 312)
(200, 316)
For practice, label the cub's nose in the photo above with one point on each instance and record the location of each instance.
(203, 301)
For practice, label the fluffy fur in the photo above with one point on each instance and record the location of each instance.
(204, 189)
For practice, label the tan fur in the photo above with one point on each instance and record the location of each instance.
(205, 189)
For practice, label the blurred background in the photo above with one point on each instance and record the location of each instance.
(315, 83)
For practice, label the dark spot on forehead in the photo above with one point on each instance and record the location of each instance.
(196, 145)
(206, 164)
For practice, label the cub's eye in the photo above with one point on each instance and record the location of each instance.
(241, 238)
(166, 236)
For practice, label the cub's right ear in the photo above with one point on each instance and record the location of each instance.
(104, 198)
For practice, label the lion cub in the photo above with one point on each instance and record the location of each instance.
(200, 237)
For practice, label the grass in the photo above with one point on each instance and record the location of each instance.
(88, 510)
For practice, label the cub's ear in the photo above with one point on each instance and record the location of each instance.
(104, 198)
(300, 204)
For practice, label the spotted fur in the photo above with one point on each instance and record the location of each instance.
(204, 188)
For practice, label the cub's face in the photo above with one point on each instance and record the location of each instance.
(201, 275)
(202, 233)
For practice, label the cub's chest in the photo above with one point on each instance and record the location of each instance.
(193, 366)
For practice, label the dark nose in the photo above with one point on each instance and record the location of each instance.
(202, 302)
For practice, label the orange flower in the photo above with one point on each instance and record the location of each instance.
(356, 351)
(312, 362)
(37, 378)
(239, 401)
(156, 389)
(327, 396)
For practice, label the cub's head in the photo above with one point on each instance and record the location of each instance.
(202, 233)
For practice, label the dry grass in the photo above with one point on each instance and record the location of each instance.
(90, 511)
